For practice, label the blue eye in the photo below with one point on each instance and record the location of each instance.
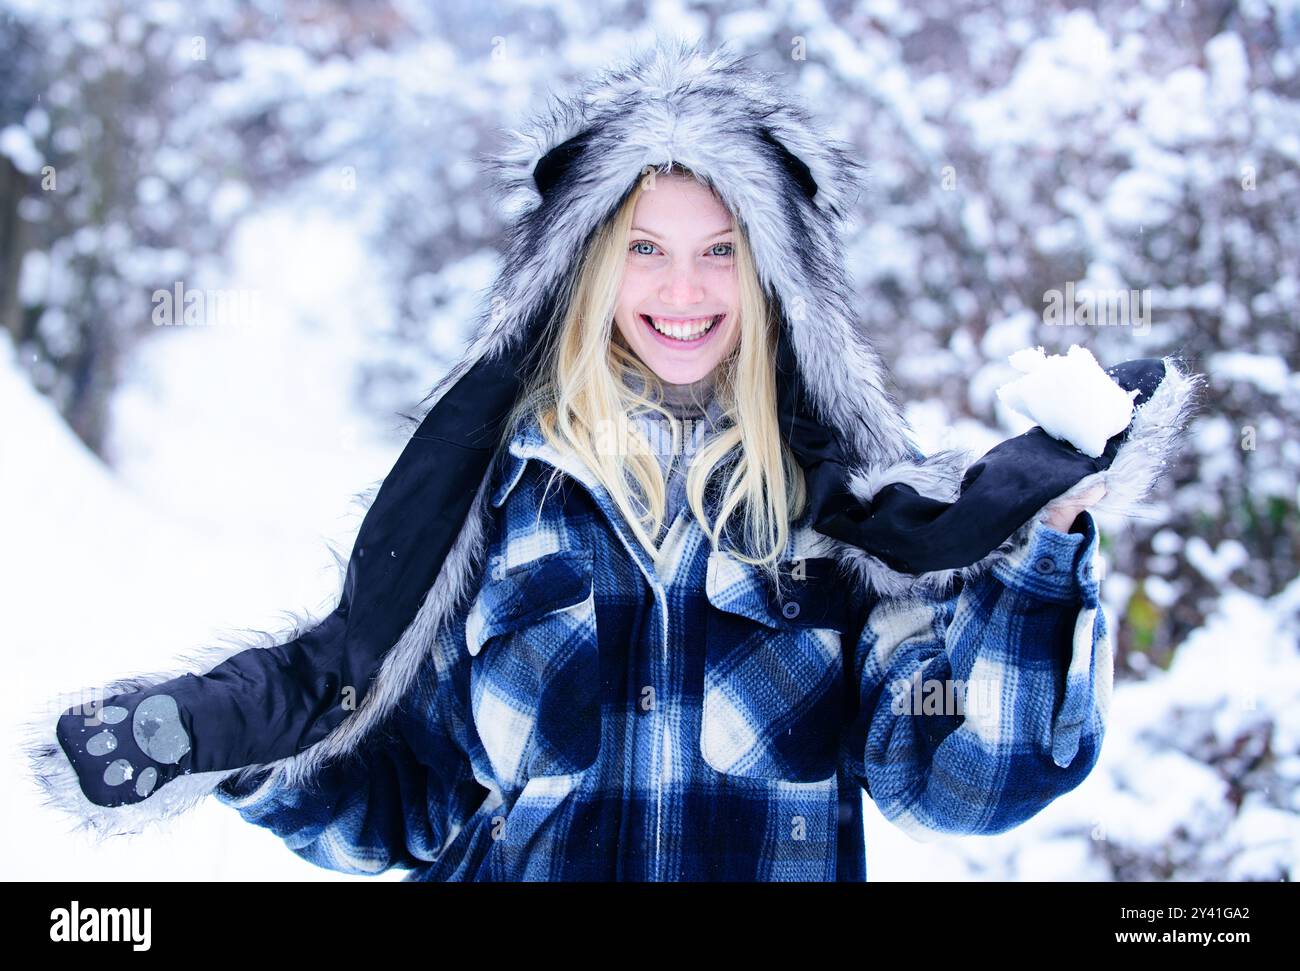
(730, 248)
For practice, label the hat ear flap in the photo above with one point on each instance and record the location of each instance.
(793, 164)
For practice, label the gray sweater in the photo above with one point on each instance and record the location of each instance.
(698, 412)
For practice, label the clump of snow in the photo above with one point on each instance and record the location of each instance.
(1070, 396)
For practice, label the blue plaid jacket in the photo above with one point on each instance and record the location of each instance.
(593, 715)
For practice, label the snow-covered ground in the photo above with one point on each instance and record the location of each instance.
(238, 453)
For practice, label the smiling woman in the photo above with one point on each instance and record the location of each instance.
(570, 691)
(668, 297)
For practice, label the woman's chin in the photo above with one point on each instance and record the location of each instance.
(683, 366)
(678, 374)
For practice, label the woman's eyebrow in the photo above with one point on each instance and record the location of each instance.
(651, 232)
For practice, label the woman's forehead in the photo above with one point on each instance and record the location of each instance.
(681, 206)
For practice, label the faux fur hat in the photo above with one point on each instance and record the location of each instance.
(900, 521)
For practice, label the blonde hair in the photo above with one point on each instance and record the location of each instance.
(580, 392)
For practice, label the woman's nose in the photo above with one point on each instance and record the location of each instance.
(682, 288)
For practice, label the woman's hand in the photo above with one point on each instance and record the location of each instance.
(1062, 512)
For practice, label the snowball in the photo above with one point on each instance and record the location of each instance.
(1070, 397)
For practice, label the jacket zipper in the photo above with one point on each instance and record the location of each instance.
(662, 742)
(661, 734)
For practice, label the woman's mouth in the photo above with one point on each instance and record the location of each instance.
(682, 331)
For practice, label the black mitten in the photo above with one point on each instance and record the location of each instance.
(123, 751)
(916, 534)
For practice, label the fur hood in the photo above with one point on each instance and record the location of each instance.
(560, 176)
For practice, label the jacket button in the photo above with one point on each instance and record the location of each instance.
(791, 610)
(1045, 564)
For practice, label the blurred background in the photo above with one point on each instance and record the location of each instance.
(239, 240)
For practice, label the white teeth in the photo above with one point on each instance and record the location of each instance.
(684, 330)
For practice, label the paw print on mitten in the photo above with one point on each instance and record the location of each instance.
(125, 748)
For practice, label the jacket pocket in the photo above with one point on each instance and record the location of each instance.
(773, 673)
(535, 672)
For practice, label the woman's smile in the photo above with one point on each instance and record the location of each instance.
(682, 332)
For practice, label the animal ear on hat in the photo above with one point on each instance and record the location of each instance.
(552, 167)
(793, 164)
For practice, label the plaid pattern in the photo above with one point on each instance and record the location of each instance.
(596, 715)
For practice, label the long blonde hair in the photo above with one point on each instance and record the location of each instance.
(581, 392)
